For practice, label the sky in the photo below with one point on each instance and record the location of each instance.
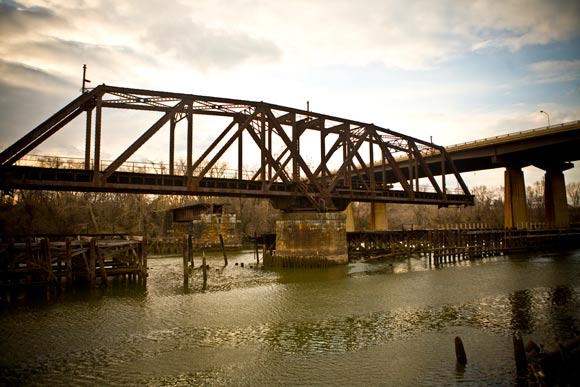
(453, 71)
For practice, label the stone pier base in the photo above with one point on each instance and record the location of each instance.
(308, 239)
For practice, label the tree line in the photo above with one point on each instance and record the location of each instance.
(51, 212)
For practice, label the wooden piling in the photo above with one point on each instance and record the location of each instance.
(185, 262)
(91, 264)
(104, 279)
(190, 250)
(460, 351)
(520, 355)
(224, 250)
(204, 268)
(256, 252)
(143, 258)
(68, 262)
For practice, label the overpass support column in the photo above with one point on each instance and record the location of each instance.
(349, 212)
(310, 239)
(555, 199)
(515, 208)
(379, 220)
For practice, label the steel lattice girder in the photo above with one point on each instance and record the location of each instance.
(354, 161)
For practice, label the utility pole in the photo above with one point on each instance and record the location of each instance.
(85, 80)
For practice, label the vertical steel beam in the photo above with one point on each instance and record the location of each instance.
(88, 134)
(323, 167)
(263, 152)
(172, 125)
(371, 163)
(384, 170)
(417, 173)
(295, 150)
(443, 183)
(269, 146)
(240, 151)
(410, 168)
(98, 122)
(189, 138)
(346, 158)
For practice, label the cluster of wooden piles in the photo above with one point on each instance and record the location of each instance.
(302, 262)
(49, 265)
(452, 245)
(164, 246)
(464, 244)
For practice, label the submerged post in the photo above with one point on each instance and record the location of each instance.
(204, 268)
(256, 252)
(460, 351)
(520, 355)
(185, 262)
(224, 250)
(190, 250)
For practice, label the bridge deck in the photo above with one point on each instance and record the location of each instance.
(131, 182)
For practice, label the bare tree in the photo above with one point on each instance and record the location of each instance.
(573, 191)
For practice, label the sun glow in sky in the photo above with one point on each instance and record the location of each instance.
(455, 71)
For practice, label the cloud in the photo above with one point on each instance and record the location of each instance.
(17, 74)
(514, 24)
(224, 35)
(205, 48)
(20, 23)
(555, 71)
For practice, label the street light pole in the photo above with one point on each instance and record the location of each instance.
(547, 115)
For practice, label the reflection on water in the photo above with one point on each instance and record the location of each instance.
(390, 323)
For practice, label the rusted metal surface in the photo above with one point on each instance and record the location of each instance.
(356, 161)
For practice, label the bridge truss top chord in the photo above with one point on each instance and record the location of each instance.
(305, 160)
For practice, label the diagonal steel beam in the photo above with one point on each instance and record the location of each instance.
(456, 173)
(223, 149)
(394, 166)
(333, 148)
(43, 131)
(426, 170)
(268, 155)
(341, 171)
(295, 153)
(140, 141)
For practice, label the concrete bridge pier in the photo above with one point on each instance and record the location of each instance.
(555, 197)
(310, 239)
(349, 213)
(515, 207)
(379, 219)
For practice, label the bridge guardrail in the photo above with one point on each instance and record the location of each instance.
(520, 134)
(152, 167)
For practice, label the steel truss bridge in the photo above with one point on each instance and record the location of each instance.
(305, 161)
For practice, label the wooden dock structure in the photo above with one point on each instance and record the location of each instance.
(51, 264)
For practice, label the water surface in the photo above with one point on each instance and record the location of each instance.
(390, 323)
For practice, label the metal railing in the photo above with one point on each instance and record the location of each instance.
(514, 136)
(145, 167)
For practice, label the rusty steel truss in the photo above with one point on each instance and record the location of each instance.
(305, 160)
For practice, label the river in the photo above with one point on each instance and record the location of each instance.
(379, 324)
